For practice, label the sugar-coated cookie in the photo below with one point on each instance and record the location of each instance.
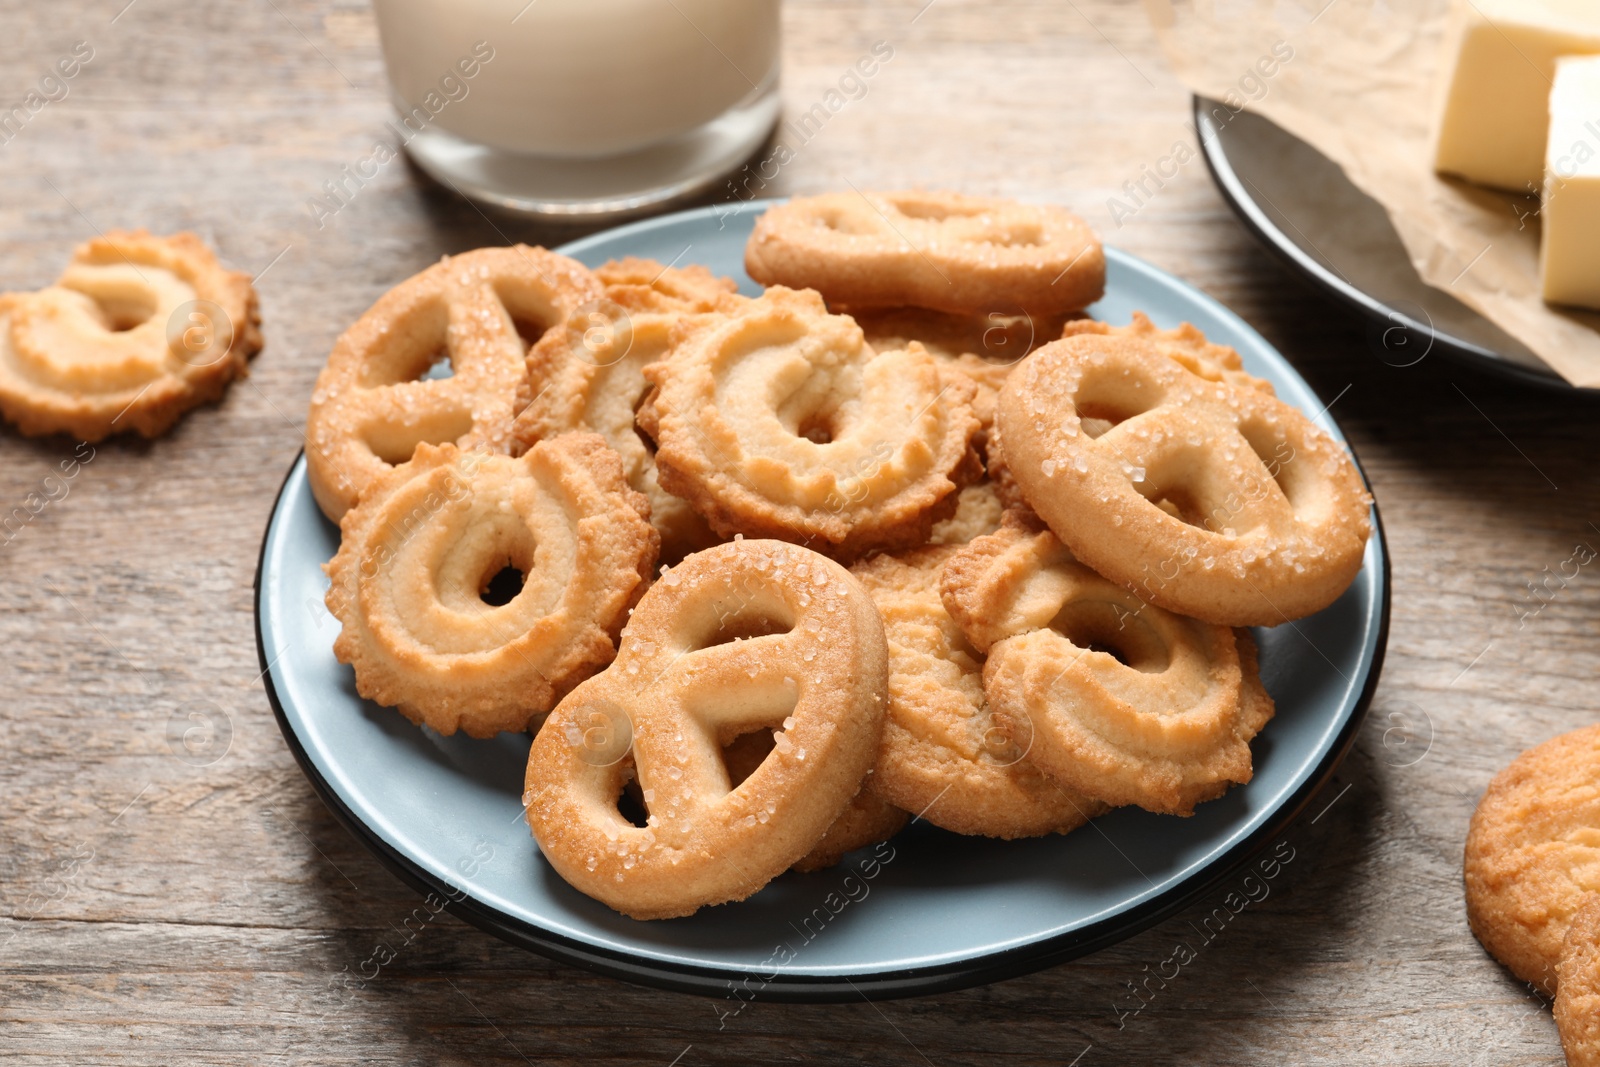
(1209, 499)
(373, 403)
(746, 635)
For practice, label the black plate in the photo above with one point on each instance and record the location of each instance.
(1299, 204)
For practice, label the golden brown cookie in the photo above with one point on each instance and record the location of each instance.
(983, 347)
(1006, 489)
(1211, 500)
(416, 581)
(589, 375)
(1577, 1007)
(1186, 344)
(1115, 698)
(137, 331)
(644, 284)
(1533, 854)
(479, 310)
(779, 421)
(942, 755)
(955, 253)
(978, 509)
(750, 634)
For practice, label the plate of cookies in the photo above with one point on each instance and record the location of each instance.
(857, 595)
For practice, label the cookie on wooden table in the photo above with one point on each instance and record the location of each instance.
(1533, 854)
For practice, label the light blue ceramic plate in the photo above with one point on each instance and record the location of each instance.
(932, 910)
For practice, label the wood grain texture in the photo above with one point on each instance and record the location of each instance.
(157, 911)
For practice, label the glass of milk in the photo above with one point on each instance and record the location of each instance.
(585, 109)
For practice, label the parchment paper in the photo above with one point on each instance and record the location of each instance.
(1361, 87)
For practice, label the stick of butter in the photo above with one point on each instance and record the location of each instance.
(1493, 123)
(1569, 255)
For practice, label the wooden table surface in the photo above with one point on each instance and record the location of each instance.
(158, 908)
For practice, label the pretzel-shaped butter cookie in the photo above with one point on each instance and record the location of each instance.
(1214, 501)
(414, 582)
(589, 375)
(778, 420)
(746, 635)
(372, 406)
(138, 330)
(1119, 700)
(944, 251)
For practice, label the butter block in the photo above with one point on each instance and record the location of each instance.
(1569, 253)
(1494, 121)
